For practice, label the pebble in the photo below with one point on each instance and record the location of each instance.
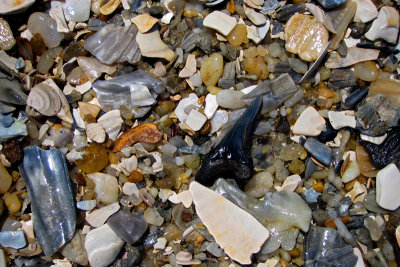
(354, 55)
(366, 71)
(186, 198)
(146, 197)
(306, 37)
(255, 17)
(213, 208)
(151, 45)
(386, 26)
(86, 205)
(46, 26)
(12, 239)
(128, 226)
(309, 123)
(358, 193)
(298, 65)
(74, 250)
(106, 187)
(184, 256)
(290, 183)
(341, 119)
(211, 69)
(5, 179)
(152, 216)
(230, 99)
(351, 171)
(7, 40)
(77, 10)
(98, 217)
(238, 35)
(161, 243)
(371, 223)
(389, 87)
(12, 202)
(102, 246)
(366, 11)
(220, 22)
(96, 132)
(387, 183)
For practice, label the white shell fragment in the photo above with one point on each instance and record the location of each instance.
(211, 105)
(234, 230)
(386, 26)
(57, 13)
(387, 187)
(366, 11)
(354, 55)
(290, 184)
(190, 67)
(352, 171)
(341, 119)
(98, 217)
(257, 34)
(254, 16)
(181, 110)
(14, 6)
(112, 123)
(195, 120)
(96, 132)
(309, 123)
(186, 198)
(151, 45)
(220, 22)
(377, 140)
(102, 246)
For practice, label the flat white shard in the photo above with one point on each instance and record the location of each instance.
(237, 232)
(309, 123)
(387, 185)
(220, 22)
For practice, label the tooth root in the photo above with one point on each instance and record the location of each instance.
(232, 156)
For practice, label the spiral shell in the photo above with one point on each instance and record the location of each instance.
(45, 100)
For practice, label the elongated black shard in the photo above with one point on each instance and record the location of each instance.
(45, 174)
(231, 157)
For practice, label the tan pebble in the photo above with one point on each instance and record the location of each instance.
(159, 69)
(110, 7)
(151, 45)
(212, 68)
(366, 71)
(220, 21)
(184, 256)
(5, 179)
(144, 22)
(12, 202)
(96, 132)
(88, 109)
(306, 37)
(309, 123)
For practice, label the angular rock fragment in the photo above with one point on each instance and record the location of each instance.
(98, 217)
(282, 213)
(12, 239)
(237, 232)
(386, 26)
(309, 123)
(144, 22)
(220, 21)
(354, 55)
(45, 174)
(74, 250)
(319, 151)
(325, 247)
(366, 11)
(231, 155)
(151, 45)
(128, 226)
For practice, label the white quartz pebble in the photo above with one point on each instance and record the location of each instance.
(181, 110)
(290, 183)
(77, 10)
(106, 187)
(309, 123)
(130, 188)
(102, 246)
(161, 243)
(366, 11)
(387, 187)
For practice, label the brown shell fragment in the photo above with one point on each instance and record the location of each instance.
(146, 133)
(305, 36)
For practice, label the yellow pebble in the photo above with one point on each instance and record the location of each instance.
(12, 202)
(237, 36)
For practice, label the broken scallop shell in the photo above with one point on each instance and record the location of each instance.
(45, 100)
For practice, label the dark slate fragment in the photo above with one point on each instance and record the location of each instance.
(324, 247)
(283, 125)
(355, 97)
(96, 24)
(45, 174)
(287, 11)
(151, 239)
(128, 226)
(329, 134)
(341, 78)
(232, 155)
(318, 150)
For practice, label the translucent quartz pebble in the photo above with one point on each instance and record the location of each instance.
(282, 213)
(102, 246)
(46, 26)
(226, 221)
(230, 99)
(77, 10)
(129, 90)
(45, 174)
(212, 68)
(152, 216)
(5, 179)
(114, 43)
(128, 226)
(325, 247)
(12, 239)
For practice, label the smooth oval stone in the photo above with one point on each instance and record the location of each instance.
(46, 26)
(5, 179)
(211, 70)
(366, 71)
(106, 187)
(238, 35)
(230, 99)
(102, 246)
(128, 226)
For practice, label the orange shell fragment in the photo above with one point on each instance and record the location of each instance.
(146, 133)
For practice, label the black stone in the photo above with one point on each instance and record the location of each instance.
(283, 125)
(355, 97)
(329, 134)
(231, 157)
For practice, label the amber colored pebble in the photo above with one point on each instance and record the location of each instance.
(135, 176)
(296, 166)
(24, 49)
(206, 128)
(295, 252)
(345, 219)
(95, 159)
(201, 100)
(213, 89)
(318, 186)
(196, 238)
(256, 66)
(75, 49)
(37, 44)
(299, 1)
(112, 158)
(231, 7)
(330, 224)
(237, 36)
(12, 202)
(364, 162)
(146, 133)
(190, 13)
(325, 92)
